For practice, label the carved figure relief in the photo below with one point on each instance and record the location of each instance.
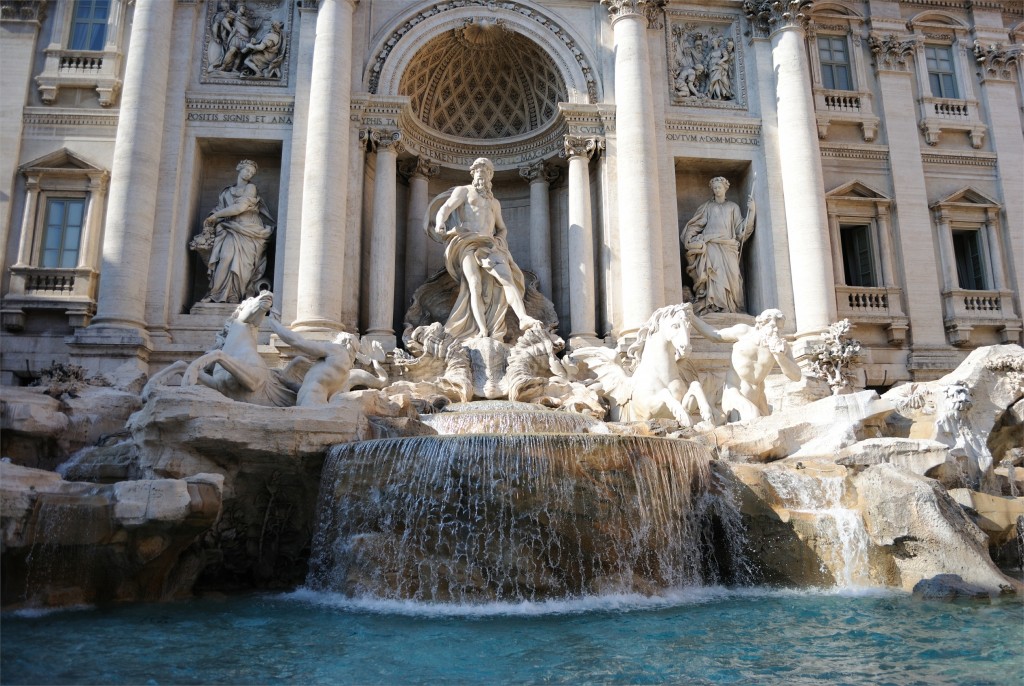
(246, 42)
(703, 65)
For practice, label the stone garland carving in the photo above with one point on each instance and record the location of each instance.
(767, 16)
(703, 64)
(526, 11)
(233, 242)
(891, 51)
(996, 59)
(246, 42)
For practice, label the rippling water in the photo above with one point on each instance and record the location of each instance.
(701, 636)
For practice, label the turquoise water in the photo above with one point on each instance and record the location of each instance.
(704, 636)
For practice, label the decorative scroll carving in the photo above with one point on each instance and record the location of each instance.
(768, 16)
(246, 42)
(649, 9)
(996, 59)
(374, 139)
(530, 12)
(23, 10)
(891, 51)
(539, 170)
(580, 146)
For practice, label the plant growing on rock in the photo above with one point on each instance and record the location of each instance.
(833, 360)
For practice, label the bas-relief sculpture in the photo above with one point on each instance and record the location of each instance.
(233, 242)
(244, 43)
(478, 258)
(702, 65)
(713, 240)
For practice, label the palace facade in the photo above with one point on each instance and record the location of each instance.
(880, 142)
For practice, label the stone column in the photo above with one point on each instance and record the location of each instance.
(419, 171)
(540, 174)
(950, 280)
(886, 247)
(582, 295)
(383, 237)
(995, 252)
(134, 180)
(20, 31)
(28, 219)
(814, 295)
(923, 300)
(91, 229)
(1000, 65)
(639, 203)
(325, 180)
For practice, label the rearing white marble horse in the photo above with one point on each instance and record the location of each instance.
(647, 383)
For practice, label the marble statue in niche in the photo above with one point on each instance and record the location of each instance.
(233, 242)
(245, 43)
(478, 258)
(713, 240)
(702, 64)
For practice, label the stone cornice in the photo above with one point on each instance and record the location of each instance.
(49, 116)
(960, 159)
(262, 104)
(768, 16)
(879, 153)
(718, 126)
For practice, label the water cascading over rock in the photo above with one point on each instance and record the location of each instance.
(511, 517)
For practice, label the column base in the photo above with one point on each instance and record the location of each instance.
(388, 341)
(116, 352)
(328, 325)
(584, 340)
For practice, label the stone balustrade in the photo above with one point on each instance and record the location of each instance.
(963, 310)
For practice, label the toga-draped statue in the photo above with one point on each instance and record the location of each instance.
(713, 240)
(233, 242)
(477, 257)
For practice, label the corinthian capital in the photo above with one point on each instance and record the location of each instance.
(539, 171)
(768, 16)
(580, 146)
(651, 10)
(418, 166)
(28, 11)
(891, 51)
(996, 59)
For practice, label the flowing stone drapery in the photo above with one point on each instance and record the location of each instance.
(540, 174)
(383, 241)
(325, 181)
(637, 167)
(582, 296)
(134, 181)
(419, 171)
(814, 295)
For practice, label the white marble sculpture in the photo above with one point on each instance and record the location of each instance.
(478, 258)
(648, 383)
(235, 367)
(244, 44)
(702, 64)
(233, 242)
(334, 371)
(713, 240)
(755, 352)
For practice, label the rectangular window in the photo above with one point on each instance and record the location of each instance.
(835, 63)
(970, 269)
(858, 256)
(89, 24)
(63, 232)
(941, 76)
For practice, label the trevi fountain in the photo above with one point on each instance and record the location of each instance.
(728, 487)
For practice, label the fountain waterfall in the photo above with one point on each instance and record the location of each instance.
(513, 517)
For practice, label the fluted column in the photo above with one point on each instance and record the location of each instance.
(582, 293)
(325, 180)
(814, 294)
(419, 171)
(384, 237)
(639, 214)
(540, 174)
(134, 180)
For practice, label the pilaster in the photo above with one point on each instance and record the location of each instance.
(383, 241)
(540, 174)
(582, 284)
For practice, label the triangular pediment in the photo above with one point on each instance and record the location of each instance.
(61, 159)
(967, 196)
(856, 189)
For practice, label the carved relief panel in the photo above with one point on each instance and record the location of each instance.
(705, 60)
(247, 42)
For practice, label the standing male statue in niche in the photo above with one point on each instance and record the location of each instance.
(713, 240)
(477, 257)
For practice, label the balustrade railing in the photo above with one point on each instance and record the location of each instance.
(78, 63)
